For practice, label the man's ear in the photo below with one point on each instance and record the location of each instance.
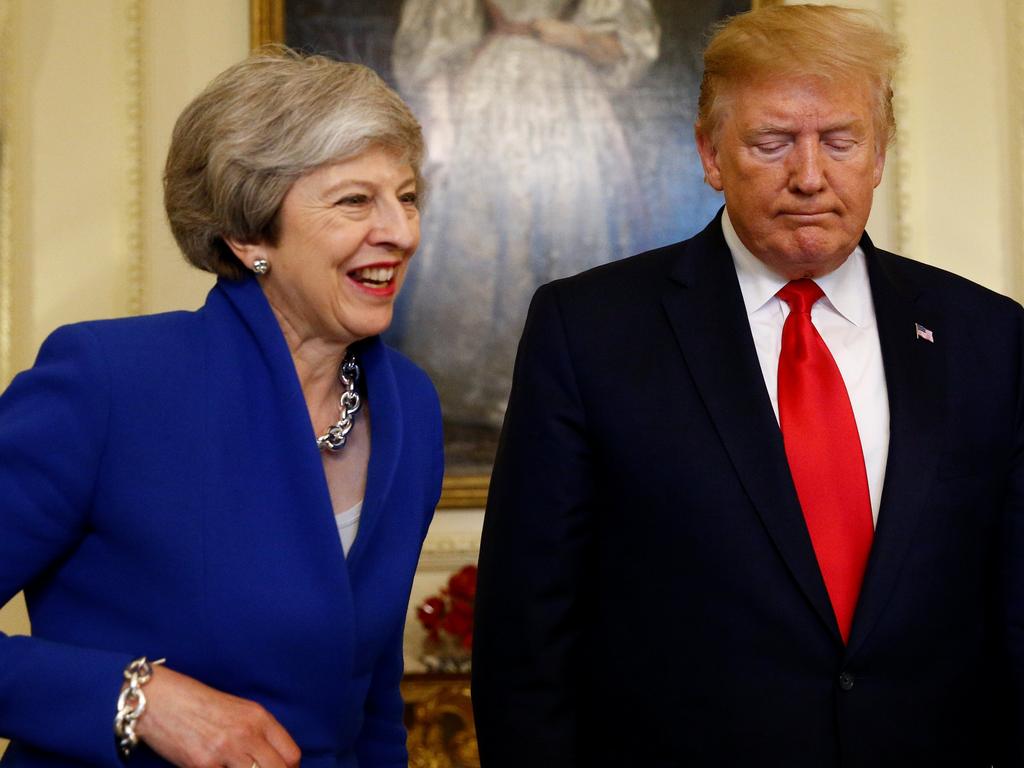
(708, 156)
(879, 165)
(247, 253)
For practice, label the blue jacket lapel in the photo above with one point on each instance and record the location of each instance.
(384, 406)
(385, 439)
(269, 514)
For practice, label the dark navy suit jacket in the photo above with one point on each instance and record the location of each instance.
(648, 591)
(161, 494)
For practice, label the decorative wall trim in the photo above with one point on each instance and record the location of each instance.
(134, 159)
(1015, 29)
(449, 553)
(899, 155)
(6, 190)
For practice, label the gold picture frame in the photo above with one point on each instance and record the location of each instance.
(460, 490)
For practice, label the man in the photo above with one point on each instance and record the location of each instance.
(759, 499)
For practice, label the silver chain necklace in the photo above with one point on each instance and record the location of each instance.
(334, 438)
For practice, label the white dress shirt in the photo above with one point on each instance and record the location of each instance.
(845, 319)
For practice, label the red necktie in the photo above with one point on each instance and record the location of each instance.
(824, 452)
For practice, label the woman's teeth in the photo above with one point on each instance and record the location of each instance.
(374, 275)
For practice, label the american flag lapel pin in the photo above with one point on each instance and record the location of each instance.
(924, 333)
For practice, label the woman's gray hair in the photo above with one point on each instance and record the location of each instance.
(261, 124)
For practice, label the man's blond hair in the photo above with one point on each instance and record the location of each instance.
(823, 41)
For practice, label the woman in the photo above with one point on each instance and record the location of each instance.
(186, 486)
(529, 167)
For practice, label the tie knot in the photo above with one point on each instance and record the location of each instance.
(800, 294)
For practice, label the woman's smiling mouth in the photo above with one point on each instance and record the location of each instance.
(378, 279)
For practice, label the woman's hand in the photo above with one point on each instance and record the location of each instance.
(601, 48)
(194, 726)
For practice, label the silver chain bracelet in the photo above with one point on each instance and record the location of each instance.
(131, 704)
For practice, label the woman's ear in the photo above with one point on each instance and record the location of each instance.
(247, 253)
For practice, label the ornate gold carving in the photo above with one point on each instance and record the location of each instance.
(464, 492)
(439, 717)
(266, 22)
(134, 160)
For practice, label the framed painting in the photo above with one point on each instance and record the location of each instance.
(559, 137)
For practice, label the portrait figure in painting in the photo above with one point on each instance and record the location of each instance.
(531, 174)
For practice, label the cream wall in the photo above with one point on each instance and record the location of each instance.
(93, 90)
(962, 208)
(89, 90)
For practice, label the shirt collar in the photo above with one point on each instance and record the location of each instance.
(847, 288)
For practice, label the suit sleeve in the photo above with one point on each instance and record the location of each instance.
(53, 419)
(529, 616)
(1013, 581)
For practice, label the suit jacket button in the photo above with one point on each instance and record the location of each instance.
(846, 681)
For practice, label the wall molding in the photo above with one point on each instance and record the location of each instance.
(899, 156)
(1015, 30)
(134, 160)
(449, 553)
(6, 192)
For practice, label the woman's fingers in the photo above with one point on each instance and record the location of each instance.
(194, 726)
(283, 744)
(279, 750)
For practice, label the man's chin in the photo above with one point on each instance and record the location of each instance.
(814, 258)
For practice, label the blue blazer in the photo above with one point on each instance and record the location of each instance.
(161, 494)
(671, 611)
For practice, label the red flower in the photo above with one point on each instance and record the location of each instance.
(431, 613)
(458, 623)
(463, 583)
(448, 616)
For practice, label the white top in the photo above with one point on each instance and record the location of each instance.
(845, 319)
(348, 525)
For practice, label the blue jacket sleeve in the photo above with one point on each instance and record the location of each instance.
(53, 419)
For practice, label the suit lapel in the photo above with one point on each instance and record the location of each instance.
(385, 440)
(269, 522)
(915, 375)
(705, 309)
(300, 452)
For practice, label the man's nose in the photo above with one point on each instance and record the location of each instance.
(806, 172)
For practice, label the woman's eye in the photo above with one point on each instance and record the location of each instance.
(410, 198)
(354, 200)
